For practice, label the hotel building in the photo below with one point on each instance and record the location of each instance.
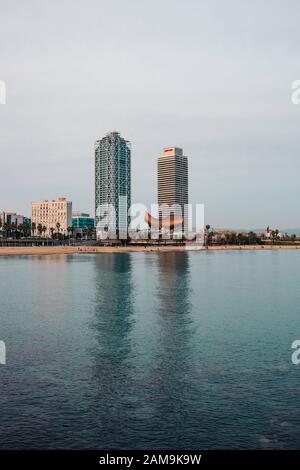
(172, 181)
(50, 213)
(112, 185)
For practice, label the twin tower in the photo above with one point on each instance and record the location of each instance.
(113, 177)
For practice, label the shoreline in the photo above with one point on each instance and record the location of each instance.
(66, 250)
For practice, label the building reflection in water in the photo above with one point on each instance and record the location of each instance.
(112, 326)
(173, 272)
(113, 317)
(142, 354)
(167, 388)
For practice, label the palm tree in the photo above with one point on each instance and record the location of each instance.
(21, 229)
(44, 229)
(40, 229)
(14, 229)
(52, 231)
(253, 238)
(57, 226)
(6, 228)
(207, 227)
(240, 238)
(274, 235)
(70, 232)
(33, 228)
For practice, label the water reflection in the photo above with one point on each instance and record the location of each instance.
(142, 353)
(114, 299)
(174, 293)
(175, 303)
(112, 326)
(174, 354)
(149, 350)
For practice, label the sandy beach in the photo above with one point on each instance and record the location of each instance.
(59, 250)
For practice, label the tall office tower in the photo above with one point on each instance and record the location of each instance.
(112, 185)
(172, 180)
(55, 215)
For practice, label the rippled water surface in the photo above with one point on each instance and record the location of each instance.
(147, 350)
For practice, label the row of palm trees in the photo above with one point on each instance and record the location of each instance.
(241, 238)
(212, 237)
(42, 229)
(25, 230)
(15, 230)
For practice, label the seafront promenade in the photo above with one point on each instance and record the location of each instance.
(57, 250)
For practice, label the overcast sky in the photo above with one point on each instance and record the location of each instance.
(213, 77)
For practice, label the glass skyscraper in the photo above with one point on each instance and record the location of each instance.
(112, 185)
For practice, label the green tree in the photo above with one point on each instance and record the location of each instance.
(206, 235)
(40, 229)
(33, 228)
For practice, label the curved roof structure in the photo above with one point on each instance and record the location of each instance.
(167, 223)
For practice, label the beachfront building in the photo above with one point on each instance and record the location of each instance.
(11, 222)
(12, 218)
(82, 224)
(272, 234)
(55, 215)
(172, 182)
(82, 220)
(112, 186)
